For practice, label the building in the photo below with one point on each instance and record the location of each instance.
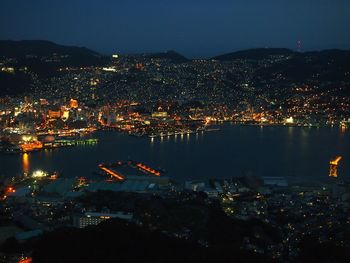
(212, 193)
(54, 113)
(65, 115)
(194, 186)
(44, 102)
(159, 114)
(73, 104)
(91, 218)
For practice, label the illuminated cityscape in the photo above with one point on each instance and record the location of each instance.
(116, 148)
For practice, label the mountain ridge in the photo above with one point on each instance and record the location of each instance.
(22, 48)
(172, 55)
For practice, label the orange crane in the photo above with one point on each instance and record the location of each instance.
(333, 166)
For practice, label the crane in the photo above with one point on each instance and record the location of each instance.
(333, 166)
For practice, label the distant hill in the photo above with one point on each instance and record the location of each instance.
(23, 48)
(43, 58)
(257, 53)
(263, 53)
(173, 56)
(327, 65)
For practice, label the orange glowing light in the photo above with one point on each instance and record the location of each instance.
(28, 147)
(26, 260)
(25, 163)
(73, 103)
(54, 114)
(333, 168)
(10, 190)
(110, 172)
(336, 160)
(53, 177)
(148, 169)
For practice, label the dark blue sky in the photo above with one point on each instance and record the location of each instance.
(192, 27)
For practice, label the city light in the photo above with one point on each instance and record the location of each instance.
(110, 172)
(261, 177)
(27, 138)
(25, 260)
(290, 120)
(39, 174)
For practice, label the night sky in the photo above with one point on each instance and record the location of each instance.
(192, 27)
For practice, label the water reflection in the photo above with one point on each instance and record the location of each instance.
(25, 163)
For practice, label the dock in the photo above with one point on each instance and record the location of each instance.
(121, 171)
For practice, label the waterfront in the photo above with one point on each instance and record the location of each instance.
(234, 150)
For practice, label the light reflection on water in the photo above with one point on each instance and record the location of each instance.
(25, 163)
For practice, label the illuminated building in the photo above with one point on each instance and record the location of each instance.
(91, 218)
(8, 69)
(333, 167)
(17, 111)
(159, 114)
(110, 69)
(289, 120)
(31, 146)
(73, 104)
(54, 114)
(28, 138)
(65, 115)
(44, 102)
(94, 82)
(39, 174)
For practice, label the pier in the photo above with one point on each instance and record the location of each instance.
(124, 170)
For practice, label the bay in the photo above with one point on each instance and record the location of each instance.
(234, 150)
